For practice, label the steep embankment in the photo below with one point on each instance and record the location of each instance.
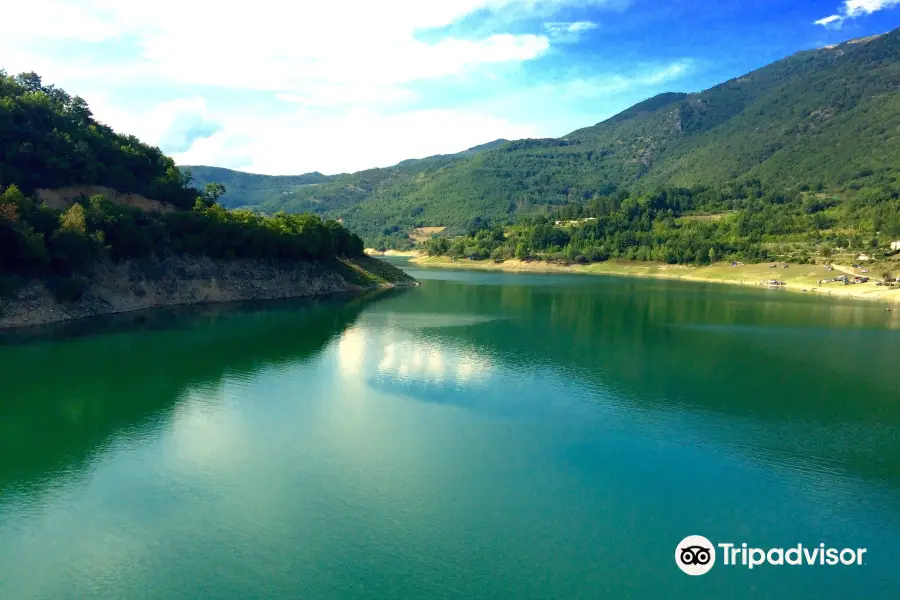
(141, 284)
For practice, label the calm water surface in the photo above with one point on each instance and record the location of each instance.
(482, 436)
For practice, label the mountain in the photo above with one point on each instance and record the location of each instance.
(247, 189)
(287, 191)
(826, 119)
(465, 153)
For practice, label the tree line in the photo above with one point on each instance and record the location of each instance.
(39, 242)
(49, 139)
(700, 225)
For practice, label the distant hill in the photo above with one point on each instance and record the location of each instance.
(247, 189)
(250, 189)
(825, 118)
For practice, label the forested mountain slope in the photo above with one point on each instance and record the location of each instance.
(296, 193)
(247, 189)
(825, 118)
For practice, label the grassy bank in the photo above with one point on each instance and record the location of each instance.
(797, 278)
(367, 271)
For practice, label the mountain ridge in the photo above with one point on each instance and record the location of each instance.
(817, 118)
(247, 189)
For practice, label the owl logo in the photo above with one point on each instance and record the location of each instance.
(695, 555)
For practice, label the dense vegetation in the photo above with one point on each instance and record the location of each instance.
(36, 241)
(288, 192)
(337, 196)
(49, 139)
(248, 189)
(826, 119)
(699, 226)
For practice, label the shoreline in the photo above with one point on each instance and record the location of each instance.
(184, 281)
(404, 253)
(799, 279)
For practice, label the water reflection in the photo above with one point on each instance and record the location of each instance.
(789, 382)
(475, 441)
(67, 389)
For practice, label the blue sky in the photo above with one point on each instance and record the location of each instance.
(342, 85)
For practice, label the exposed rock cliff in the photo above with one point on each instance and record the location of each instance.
(136, 285)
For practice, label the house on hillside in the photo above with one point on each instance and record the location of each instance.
(895, 245)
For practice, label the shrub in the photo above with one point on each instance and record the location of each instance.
(68, 289)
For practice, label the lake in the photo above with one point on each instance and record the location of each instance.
(483, 436)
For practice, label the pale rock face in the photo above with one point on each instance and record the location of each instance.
(137, 285)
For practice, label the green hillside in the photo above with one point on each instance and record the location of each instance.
(317, 192)
(465, 153)
(822, 119)
(247, 189)
(49, 139)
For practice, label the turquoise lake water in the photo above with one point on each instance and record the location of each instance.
(484, 435)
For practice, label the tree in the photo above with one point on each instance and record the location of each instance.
(522, 250)
(73, 219)
(30, 81)
(80, 111)
(214, 191)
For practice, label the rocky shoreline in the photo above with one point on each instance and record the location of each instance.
(157, 282)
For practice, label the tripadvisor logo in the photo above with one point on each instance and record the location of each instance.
(696, 555)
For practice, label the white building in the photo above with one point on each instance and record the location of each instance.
(895, 245)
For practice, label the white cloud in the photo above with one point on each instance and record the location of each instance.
(55, 20)
(335, 72)
(273, 45)
(362, 137)
(172, 119)
(568, 31)
(582, 26)
(601, 85)
(856, 8)
(852, 9)
(833, 20)
(345, 142)
(339, 95)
